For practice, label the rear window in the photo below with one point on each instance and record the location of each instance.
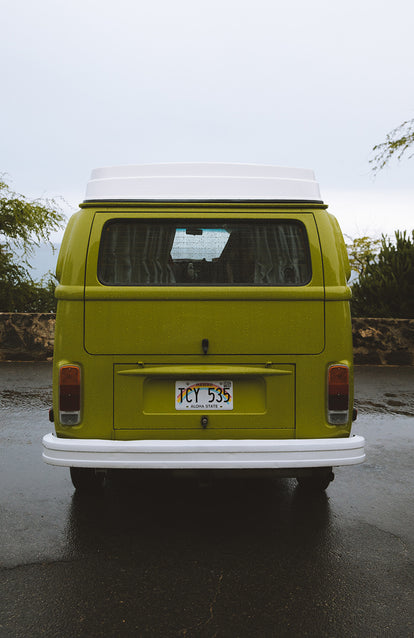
(196, 253)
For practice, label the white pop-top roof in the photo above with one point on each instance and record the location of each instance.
(198, 181)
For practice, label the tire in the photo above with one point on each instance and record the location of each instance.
(87, 479)
(318, 481)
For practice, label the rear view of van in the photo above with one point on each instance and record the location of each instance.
(203, 322)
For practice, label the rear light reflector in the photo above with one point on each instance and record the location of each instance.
(338, 394)
(69, 394)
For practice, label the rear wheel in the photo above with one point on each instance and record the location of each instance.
(87, 479)
(317, 481)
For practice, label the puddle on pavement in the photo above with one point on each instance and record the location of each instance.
(32, 399)
(403, 406)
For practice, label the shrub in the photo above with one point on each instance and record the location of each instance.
(385, 288)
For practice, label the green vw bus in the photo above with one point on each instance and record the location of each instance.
(203, 322)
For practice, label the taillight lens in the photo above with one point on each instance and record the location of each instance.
(69, 394)
(338, 394)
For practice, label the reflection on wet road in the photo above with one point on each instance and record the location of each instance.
(172, 557)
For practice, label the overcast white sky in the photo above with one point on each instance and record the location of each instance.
(89, 83)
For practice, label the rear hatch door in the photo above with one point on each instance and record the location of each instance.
(180, 301)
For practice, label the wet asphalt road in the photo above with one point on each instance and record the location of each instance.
(224, 559)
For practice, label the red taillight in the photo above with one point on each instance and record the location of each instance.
(338, 394)
(69, 394)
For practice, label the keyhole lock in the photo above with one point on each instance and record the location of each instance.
(204, 345)
(204, 422)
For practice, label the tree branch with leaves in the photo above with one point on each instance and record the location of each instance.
(397, 143)
(24, 224)
(361, 252)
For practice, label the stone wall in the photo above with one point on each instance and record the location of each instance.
(26, 336)
(29, 337)
(383, 341)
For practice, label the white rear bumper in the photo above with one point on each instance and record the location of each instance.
(193, 454)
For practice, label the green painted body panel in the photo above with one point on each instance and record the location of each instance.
(132, 343)
(144, 402)
(248, 327)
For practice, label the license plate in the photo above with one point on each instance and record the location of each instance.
(203, 395)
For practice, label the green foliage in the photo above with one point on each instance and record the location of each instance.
(19, 293)
(23, 224)
(385, 288)
(361, 252)
(397, 142)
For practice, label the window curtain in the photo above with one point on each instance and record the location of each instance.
(138, 254)
(280, 258)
